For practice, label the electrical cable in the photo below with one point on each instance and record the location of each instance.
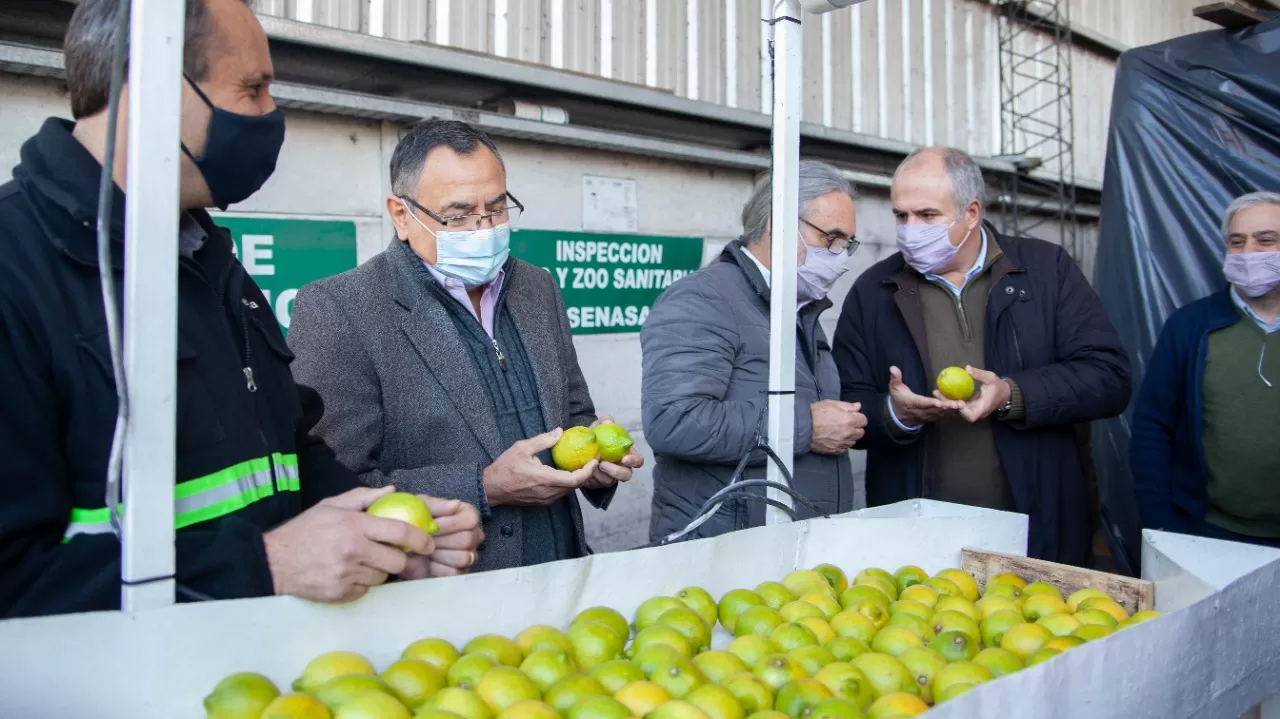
(106, 272)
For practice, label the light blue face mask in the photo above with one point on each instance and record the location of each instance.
(473, 257)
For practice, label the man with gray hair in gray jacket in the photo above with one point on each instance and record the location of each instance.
(706, 367)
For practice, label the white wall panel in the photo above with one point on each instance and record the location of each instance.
(628, 31)
(920, 71)
(1139, 22)
(407, 21)
(672, 46)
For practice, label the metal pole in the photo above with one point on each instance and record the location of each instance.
(151, 301)
(787, 65)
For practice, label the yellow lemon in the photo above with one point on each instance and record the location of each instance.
(240, 696)
(528, 709)
(576, 447)
(373, 705)
(406, 507)
(462, 702)
(834, 575)
(466, 672)
(909, 575)
(750, 691)
(436, 652)
(955, 383)
(999, 661)
(962, 579)
(798, 698)
(496, 647)
(616, 674)
(896, 705)
(1073, 601)
(716, 702)
(642, 697)
(1108, 605)
(567, 692)
(503, 686)
(338, 691)
(701, 601)
(736, 601)
(1025, 640)
(719, 665)
(607, 616)
(922, 593)
(328, 666)
(413, 681)
(614, 442)
(295, 706)
(541, 636)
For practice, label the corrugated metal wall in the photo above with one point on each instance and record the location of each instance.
(920, 71)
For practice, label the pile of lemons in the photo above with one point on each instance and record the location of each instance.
(812, 646)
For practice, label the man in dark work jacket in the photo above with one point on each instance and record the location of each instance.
(260, 508)
(1020, 317)
(447, 366)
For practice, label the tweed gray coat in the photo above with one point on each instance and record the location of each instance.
(404, 402)
(706, 370)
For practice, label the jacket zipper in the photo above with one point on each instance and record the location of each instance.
(502, 359)
(244, 331)
(964, 319)
(1017, 348)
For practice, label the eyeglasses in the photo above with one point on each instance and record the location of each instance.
(836, 240)
(510, 213)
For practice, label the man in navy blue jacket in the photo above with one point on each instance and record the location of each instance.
(1204, 450)
(1020, 316)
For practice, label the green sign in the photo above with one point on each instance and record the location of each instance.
(609, 282)
(284, 255)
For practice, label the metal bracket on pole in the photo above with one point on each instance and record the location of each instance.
(157, 29)
(787, 65)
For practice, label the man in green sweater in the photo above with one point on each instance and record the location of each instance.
(1204, 450)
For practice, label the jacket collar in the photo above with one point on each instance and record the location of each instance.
(62, 179)
(1222, 310)
(736, 253)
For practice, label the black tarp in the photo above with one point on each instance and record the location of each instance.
(1195, 123)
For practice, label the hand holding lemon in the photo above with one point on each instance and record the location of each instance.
(993, 392)
(605, 441)
(989, 394)
(914, 410)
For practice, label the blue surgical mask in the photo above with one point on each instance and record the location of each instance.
(240, 153)
(473, 257)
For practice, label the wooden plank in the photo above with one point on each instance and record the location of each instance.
(1133, 594)
(1230, 15)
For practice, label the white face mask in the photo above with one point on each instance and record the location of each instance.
(473, 257)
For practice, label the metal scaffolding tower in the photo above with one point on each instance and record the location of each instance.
(1037, 126)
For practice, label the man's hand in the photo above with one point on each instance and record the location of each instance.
(608, 474)
(334, 551)
(836, 426)
(456, 542)
(518, 478)
(991, 394)
(912, 409)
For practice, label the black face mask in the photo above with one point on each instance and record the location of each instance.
(240, 154)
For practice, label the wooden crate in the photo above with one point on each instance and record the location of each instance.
(1134, 595)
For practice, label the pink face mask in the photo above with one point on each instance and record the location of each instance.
(1254, 274)
(819, 273)
(928, 248)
